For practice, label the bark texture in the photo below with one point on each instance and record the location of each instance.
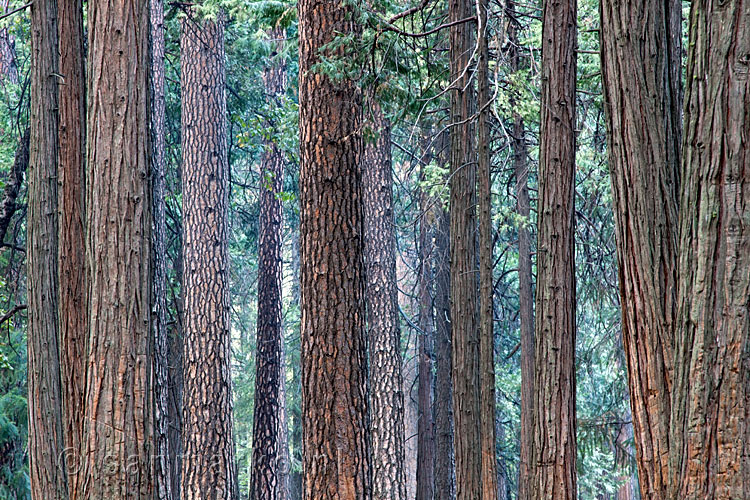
(553, 465)
(9, 204)
(117, 437)
(336, 447)
(384, 334)
(640, 54)
(463, 250)
(163, 459)
(47, 471)
(486, 295)
(710, 442)
(208, 467)
(267, 423)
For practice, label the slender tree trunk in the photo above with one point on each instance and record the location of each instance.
(384, 334)
(641, 47)
(425, 430)
(265, 483)
(208, 467)
(162, 460)
(117, 440)
(710, 442)
(9, 204)
(486, 296)
(553, 465)
(525, 287)
(8, 65)
(464, 276)
(175, 378)
(47, 471)
(443, 410)
(72, 265)
(336, 445)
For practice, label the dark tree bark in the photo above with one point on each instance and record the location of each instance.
(443, 409)
(425, 429)
(8, 65)
(163, 459)
(9, 206)
(175, 347)
(118, 417)
(72, 264)
(486, 296)
(267, 451)
(709, 442)
(464, 279)
(336, 448)
(641, 50)
(553, 465)
(384, 334)
(525, 287)
(208, 467)
(47, 472)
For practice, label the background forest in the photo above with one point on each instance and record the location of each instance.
(401, 63)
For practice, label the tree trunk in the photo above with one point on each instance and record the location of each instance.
(486, 296)
(553, 465)
(711, 395)
(162, 461)
(47, 472)
(640, 51)
(464, 279)
(8, 65)
(384, 334)
(208, 468)
(425, 430)
(443, 409)
(525, 288)
(265, 484)
(175, 347)
(117, 439)
(336, 445)
(9, 204)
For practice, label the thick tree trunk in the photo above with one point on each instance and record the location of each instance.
(336, 447)
(486, 296)
(553, 464)
(163, 459)
(464, 276)
(640, 48)
(265, 483)
(384, 334)
(425, 429)
(208, 468)
(711, 393)
(47, 471)
(525, 287)
(117, 438)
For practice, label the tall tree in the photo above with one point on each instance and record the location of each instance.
(72, 264)
(463, 251)
(117, 439)
(336, 448)
(163, 466)
(8, 64)
(486, 282)
(425, 428)
(711, 391)
(267, 451)
(208, 467)
(642, 94)
(553, 464)
(384, 334)
(525, 289)
(47, 472)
